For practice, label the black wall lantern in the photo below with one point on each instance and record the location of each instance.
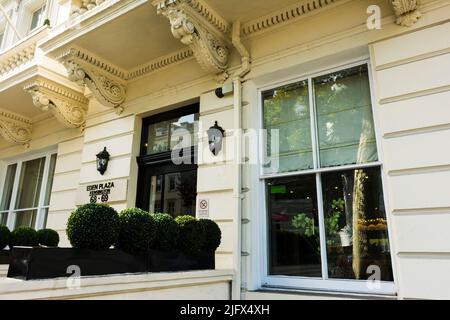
(215, 138)
(102, 161)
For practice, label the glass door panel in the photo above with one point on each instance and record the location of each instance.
(173, 193)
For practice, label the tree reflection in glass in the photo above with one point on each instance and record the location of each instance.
(356, 227)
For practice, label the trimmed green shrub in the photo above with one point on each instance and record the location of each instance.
(212, 235)
(191, 235)
(93, 226)
(5, 236)
(137, 231)
(48, 237)
(167, 232)
(24, 237)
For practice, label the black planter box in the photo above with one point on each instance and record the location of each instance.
(5, 256)
(45, 263)
(160, 261)
(32, 263)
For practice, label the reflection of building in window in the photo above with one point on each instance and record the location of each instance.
(157, 206)
(172, 182)
(158, 184)
(171, 207)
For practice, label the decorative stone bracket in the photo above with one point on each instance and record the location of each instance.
(105, 82)
(407, 12)
(15, 128)
(68, 106)
(201, 35)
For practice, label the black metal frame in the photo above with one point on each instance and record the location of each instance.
(161, 163)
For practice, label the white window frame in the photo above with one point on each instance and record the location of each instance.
(40, 216)
(262, 260)
(28, 7)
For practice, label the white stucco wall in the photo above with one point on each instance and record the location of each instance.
(411, 88)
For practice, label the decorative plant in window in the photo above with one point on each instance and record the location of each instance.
(306, 227)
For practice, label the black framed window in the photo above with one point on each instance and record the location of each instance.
(168, 164)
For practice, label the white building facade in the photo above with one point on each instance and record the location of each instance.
(332, 172)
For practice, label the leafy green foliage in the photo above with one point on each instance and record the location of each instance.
(332, 220)
(212, 235)
(48, 237)
(137, 231)
(24, 237)
(93, 226)
(192, 236)
(305, 225)
(167, 232)
(5, 236)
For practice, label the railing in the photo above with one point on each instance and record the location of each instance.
(81, 6)
(21, 52)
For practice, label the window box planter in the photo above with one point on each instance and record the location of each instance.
(4, 256)
(33, 263)
(160, 261)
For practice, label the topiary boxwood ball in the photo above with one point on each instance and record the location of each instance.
(93, 226)
(48, 237)
(137, 231)
(24, 237)
(5, 236)
(212, 235)
(167, 232)
(191, 235)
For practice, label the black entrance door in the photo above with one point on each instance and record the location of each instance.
(164, 185)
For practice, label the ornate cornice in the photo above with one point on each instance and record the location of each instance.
(68, 106)
(160, 63)
(106, 82)
(284, 15)
(15, 128)
(407, 12)
(204, 38)
(211, 15)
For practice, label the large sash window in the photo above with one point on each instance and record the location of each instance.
(25, 196)
(324, 195)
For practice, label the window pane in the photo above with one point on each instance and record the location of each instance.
(164, 136)
(180, 193)
(30, 184)
(344, 116)
(158, 137)
(26, 219)
(294, 240)
(286, 109)
(155, 194)
(51, 173)
(182, 132)
(3, 218)
(355, 223)
(36, 18)
(8, 187)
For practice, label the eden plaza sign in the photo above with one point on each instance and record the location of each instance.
(102, 192)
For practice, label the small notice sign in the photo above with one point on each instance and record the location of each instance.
(203, 208)
(102, 192)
